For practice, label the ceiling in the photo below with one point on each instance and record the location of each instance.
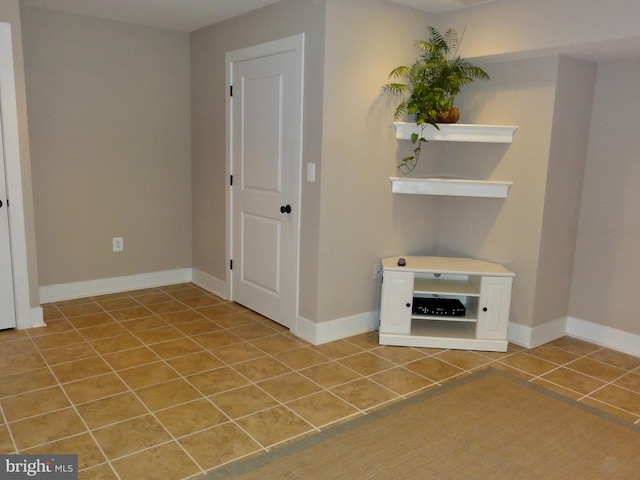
(189, 15)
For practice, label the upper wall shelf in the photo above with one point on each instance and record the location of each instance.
(457, 132)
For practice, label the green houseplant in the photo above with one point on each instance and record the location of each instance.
(427, 88)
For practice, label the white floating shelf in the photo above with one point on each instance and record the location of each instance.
(457, 132)
(450, 186)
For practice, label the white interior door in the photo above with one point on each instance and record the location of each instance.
(265, 162)
(7, 299)
(15, 298)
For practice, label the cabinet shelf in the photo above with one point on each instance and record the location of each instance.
(444, 286)
(450, 186)
(459, 330)
(457, 132)
(471, 318)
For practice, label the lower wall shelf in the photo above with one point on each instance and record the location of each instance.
(450, 186)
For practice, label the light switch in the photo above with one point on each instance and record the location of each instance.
(311, 172)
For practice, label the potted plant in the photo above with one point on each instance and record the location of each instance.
(431, 85)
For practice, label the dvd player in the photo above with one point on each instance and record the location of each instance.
(450, 307)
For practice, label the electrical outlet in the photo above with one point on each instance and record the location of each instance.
(377, 271)
(118, 244)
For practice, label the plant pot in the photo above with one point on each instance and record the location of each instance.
(452, 116)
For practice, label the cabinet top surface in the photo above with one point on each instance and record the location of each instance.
(446, 265)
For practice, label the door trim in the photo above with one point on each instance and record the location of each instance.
(294, 43)
(13, 166)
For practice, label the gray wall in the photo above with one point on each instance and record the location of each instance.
(110, 146)
(361, 220)
(605, 281)
(533, 231)
(567, 158)
(600, 285)
(505, 231)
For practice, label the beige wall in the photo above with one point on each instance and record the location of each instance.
(607, 261)
(512, 29)
(567, 158)
(10, 13)
(110, 146)
(533, 230)
(209, 46)
(361, 221)
(505, 231)
(350, 218)
(346, 213)
(355, 219)
(517, 28)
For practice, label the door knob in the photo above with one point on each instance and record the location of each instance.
(1, 204)
(285, 209)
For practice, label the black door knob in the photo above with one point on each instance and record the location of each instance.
(1, 203)
(285, 209)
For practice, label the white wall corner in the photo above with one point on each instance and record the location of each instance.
(325, 332)
(73, 290)
(210, 283)
(531, 337)
(604, 336)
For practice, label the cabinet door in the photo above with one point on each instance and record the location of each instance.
(493, 307)
(396, 302)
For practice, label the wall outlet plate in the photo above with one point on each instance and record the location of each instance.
(377, 271)
(118, 244)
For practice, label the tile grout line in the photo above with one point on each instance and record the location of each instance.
(132, 391)
(227, 365)
(75, 409)
(173, 439)
(367, 348)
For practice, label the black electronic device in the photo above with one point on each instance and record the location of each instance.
(449, 307)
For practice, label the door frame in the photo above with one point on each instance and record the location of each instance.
(13, 169)
(295, 44)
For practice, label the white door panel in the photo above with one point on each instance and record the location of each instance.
(265, 148)
(261, 234)
(261, 140)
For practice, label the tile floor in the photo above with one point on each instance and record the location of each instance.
(173, 382)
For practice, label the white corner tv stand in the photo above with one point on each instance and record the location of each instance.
(483, 289)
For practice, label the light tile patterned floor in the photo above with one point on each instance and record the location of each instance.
(173, 382)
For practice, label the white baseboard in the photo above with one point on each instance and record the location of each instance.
(70, 291)
(604, 336)
(210, 283)
(613, 338)
(531, 337)
(37, 317)
(319, 333)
